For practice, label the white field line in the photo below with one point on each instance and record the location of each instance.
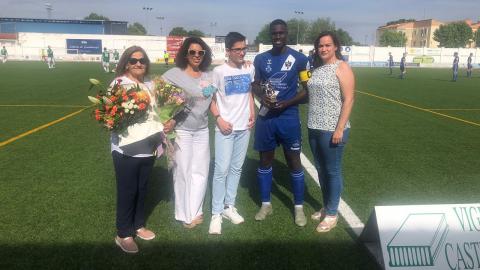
(344, 209)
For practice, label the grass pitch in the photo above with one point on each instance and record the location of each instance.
(413, 141)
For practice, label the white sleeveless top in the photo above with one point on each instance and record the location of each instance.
(325, 98)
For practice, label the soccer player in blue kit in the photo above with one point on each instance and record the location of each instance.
(281, 67)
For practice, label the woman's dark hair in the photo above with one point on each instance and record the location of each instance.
(122, 63)
(317, 61)
(181, 59)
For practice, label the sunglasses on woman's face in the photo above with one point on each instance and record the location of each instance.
(196, 53)
(133, 61)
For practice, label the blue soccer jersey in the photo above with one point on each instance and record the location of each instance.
(282, 72)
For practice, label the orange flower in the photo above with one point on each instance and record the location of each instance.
(125, 97)
(142, 106)
(113, 111)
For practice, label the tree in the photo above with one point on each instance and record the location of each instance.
(453, 35)
(477, 38)
(294, 26)
(136, 29)
(344, 37)
(178, 31)
(264, 35)
(400, 21)
(393, 38)
(95, 16)
(195, 33)
(308, 32)
(318, 26)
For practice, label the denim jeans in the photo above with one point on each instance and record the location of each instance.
(230, 151)
(328, 162)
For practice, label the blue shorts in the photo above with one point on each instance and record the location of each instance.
(271, 132)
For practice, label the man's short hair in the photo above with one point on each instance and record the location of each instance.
(232, 38)
(278, 22)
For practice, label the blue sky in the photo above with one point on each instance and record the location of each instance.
(359, 18)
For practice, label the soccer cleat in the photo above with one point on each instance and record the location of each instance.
(231, 214)
(264, 211)
(127, 244)
(215, 225)
(300, 218)
(328, 223)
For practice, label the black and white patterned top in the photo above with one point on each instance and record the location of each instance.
(325, 98)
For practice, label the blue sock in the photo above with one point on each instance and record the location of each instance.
(298, 184)
(264, 178)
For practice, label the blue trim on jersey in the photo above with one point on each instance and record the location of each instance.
(282, 71)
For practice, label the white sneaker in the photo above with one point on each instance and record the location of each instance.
(215, 225)
(231, 214)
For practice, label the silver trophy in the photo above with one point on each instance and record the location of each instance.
(269, 92)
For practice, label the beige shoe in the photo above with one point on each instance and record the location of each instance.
(127, 244)
(319, 215)
(145, 234)
(327, 224)
(264, 211)
(300, 218)
(196, 221)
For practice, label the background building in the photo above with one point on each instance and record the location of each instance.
(17, 25)
(418, 33)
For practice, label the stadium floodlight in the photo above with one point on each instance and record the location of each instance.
(49, 9)
(147, 9)
(161, 18)
(298, 22)
(213, 24)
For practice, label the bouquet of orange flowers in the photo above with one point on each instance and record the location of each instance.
(170, 99)
(119, 106)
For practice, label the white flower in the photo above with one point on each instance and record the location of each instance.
(130, 106)
(131, 112)
(135, 106)
(94, 81)
(94, 100)
(124, 104)
(126, 110)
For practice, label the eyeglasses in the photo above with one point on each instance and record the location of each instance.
(133, 61)
(196, 53)
(238, 50)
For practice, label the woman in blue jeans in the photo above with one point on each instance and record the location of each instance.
(331, 95)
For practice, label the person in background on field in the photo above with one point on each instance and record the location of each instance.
(133, 153)
(4, 54)
(106, 60)
(234, 111)
(456, 59)
(403, 67)
(469, 65)
(116, 57)
(192, 149)
(390, 62)
(166, 57)
(310, 60)
(278, 121)
(50, 58)
(331, 96)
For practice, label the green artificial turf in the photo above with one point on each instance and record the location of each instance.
(58, 184)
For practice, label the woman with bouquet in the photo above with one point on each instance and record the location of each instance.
(192, 150)
(133, 150)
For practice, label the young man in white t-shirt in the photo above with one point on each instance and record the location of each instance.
(233, 109)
